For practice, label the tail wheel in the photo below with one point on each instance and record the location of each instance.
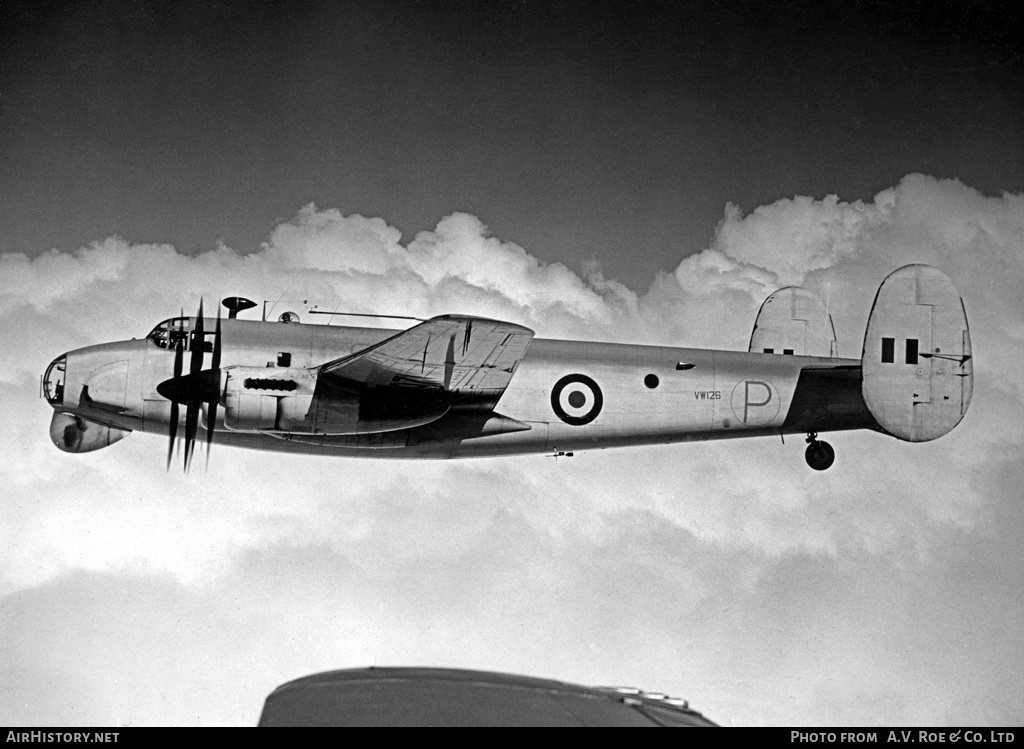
(819, 455)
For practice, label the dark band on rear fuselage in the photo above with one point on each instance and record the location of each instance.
(829, 400)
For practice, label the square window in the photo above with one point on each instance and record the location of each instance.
(284, 359)
(888, 350)
(911, 351)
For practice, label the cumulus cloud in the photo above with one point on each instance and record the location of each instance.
(883, 591)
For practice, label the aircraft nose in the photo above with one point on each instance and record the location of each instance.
(95, 377)
(105, 387)
(53, 380)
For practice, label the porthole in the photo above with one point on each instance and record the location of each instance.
(651, 381)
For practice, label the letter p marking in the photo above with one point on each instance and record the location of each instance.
(747, 403)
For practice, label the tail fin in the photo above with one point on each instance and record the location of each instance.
(793, 320)
(918, 374)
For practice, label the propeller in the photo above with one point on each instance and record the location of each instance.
(179, 348)
(194, 389)
(215, 366)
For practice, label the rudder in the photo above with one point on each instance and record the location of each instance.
(917, 370)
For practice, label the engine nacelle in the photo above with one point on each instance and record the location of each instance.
(286, 401)
(269, 399)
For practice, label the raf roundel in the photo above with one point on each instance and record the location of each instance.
(576, 399)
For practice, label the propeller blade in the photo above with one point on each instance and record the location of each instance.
(195, 367)
(174, 433)
(191, 427)
(179, 355)
(198, 343)
(215, 364)
(211, 419)
(213, 394)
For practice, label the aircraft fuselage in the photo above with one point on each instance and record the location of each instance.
(566, 396)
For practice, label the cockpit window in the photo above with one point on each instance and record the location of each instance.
(176, 332)
(171, 333)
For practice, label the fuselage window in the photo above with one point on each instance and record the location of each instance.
(651, 381)
(911, 351)
(888, 350)
(787, 351)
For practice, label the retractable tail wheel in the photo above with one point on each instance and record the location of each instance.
(819, 454)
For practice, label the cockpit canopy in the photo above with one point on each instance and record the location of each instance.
(177, 333)
(171, 333)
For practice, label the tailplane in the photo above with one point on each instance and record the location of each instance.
(918, 374)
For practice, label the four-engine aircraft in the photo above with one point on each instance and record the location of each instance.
(457, 386)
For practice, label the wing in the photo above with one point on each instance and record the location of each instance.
(417, 376)
(462, 355)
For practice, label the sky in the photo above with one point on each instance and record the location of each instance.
(638, 173)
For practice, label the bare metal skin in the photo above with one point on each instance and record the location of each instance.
(459, 386)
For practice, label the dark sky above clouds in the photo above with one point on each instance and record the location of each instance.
(610, 130)
(704, 155)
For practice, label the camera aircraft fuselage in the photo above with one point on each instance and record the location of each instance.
(459, 386)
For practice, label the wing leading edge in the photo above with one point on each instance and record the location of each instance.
(448, 363)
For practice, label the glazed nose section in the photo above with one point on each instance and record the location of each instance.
(53, 381)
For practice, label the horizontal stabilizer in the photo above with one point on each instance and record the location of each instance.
(917, 367)
(793, 321)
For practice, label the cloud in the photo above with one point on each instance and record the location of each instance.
(791, 238)
(723, 572)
